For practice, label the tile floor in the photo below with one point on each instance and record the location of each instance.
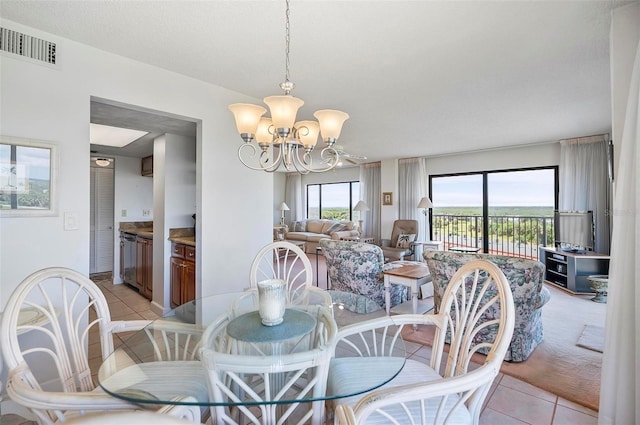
(510, 401)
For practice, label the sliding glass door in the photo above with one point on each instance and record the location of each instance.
(508, 212)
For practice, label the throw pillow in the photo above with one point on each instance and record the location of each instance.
(300, 226)
(404, 240)
(335, 227)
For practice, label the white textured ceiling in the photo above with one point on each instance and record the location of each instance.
(417, 77)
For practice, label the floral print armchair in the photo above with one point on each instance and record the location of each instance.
(525, 277)
(357, 268)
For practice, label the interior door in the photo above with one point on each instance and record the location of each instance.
(102, 237)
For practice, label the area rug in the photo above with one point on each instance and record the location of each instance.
(592, 338)
(557, 365)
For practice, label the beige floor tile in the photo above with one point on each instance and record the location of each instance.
(492, 389)
(576, 406)
(567, 416)
(516, 384)
(148, 314)
(519, 405)
(492, 417)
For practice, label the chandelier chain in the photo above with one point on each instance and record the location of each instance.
(287, 86)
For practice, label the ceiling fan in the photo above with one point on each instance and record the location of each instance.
(342, 154)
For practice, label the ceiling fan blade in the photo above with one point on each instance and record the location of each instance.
(351, 161)
(348, 155)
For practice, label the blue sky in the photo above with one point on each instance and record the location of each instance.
(509, 189)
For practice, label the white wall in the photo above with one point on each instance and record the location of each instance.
(133, 192)
(174, 202)
(53, 104)
(542, 155)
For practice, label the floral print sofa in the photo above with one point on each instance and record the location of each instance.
(525, 277)
(357, 267)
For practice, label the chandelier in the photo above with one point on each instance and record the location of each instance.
(280, 140)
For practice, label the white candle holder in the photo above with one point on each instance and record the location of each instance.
(271, 301)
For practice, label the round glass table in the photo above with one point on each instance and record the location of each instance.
(163, 363)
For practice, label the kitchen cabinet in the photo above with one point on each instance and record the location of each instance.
(183, 274)
(144, 266)
(147, 166)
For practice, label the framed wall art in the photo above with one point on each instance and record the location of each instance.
(387, 198)
(28, 171)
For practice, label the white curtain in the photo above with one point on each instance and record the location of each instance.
(585, 185)
(370, 187)
(620, 382)
(293, 196)
(412, 186)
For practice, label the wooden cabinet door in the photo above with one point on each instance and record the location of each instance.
(176, 281)
(147, 285)
(189, 282)
(140, 263)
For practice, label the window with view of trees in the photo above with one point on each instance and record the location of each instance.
(506, 212)
(333, 201)
(26, 177)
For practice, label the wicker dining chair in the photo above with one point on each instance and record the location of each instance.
(452, 392)
(55, 311)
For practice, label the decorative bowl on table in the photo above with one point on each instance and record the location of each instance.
(599, 284)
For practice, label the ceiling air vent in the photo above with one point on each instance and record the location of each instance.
(27, 46)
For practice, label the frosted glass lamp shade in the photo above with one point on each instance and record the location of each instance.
(283, 110)
(283, 207)
(425, 203)
(331, 122)
(308, 132)
(361, 206)
(262, 133)
(247, 116)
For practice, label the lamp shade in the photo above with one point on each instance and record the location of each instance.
(262, 133)
(331, 122)
(103, 162)
(361, 206)
(425, 203)
(308, 133)
(283, 207)
(247, 116)
(283, 110)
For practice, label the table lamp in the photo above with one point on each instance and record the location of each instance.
(283, 207)
(426, 204)
(361, 207)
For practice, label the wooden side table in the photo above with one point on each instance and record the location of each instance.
(410, 274)
(420, 246)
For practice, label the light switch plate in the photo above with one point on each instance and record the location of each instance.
(71, 220)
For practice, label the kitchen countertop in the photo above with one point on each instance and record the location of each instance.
(139, 228)
(186, 240)
(185, 235)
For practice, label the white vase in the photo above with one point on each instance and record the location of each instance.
(271, 301)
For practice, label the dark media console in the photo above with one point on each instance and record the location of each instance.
(570, 270)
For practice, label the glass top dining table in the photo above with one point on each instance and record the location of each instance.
(161, 364)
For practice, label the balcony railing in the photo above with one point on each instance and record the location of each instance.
(517, 236)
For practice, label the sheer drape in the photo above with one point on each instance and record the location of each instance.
(585, 185)
(293, 196)
(370, 187)
(412, 186)
(620, 383)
